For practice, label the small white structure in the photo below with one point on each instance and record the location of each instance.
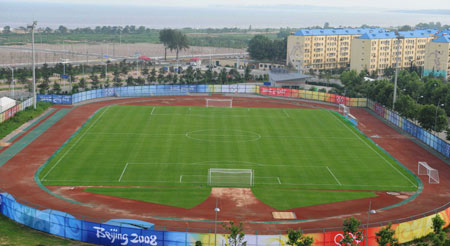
(6, 103)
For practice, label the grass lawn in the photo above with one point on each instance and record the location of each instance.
(13, 234)
(303, 198)
(174, 147)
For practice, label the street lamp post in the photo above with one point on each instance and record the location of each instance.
(32, 26)
(435, 115)
(12, 80)
(370, 211)
(396, 69)
(216, 210)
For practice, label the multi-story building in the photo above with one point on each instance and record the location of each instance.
(323, 48)
(375, 52)
(437, 59)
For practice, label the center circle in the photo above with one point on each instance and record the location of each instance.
(223, 135)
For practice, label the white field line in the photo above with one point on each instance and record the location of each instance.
(382, 157)
(76, 142)
(279, 180)
(206, 163)
(337, 180)
(181, 178)
(123, 171)
(286, 113)
(152, 111)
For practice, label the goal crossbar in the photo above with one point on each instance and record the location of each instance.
(424, 169)
(230, 177)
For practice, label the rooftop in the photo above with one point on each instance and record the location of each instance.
(442, 39)
(279, 77)
(406, 34)
(337, 31)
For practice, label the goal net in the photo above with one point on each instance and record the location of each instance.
(227, 103)
(424, 169)
(230, 177)
(344, 109)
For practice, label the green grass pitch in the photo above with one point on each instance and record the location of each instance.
(163, 154)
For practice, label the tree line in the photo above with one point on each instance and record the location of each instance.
(426, 100)
(264, 49)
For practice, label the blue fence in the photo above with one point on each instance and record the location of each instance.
(423, 135)
(148, 90)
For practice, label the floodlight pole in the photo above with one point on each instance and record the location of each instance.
(34, 62)
(12, 80)
(370, 211)
(216, 210)
(396, 69)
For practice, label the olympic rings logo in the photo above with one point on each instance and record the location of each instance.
(339, 237)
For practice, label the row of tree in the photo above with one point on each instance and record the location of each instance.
(353, 235)
(426, 100)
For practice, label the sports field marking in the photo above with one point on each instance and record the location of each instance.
(286, 113)
(152, 110)
(123, 171)
(76, 142)
(382, 157)
(220, 163)
(279, 181)
(337, 180)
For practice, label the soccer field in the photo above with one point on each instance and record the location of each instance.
(163, 154)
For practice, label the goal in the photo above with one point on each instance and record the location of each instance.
(424, 169)
(230, 177)
(227, 103)
(344, 109)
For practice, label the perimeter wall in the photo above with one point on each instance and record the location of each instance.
(12, 111)
(66, 225)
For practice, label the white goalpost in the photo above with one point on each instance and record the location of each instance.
(226, 103)
(424, 169)
(230, 177)
(344, 109)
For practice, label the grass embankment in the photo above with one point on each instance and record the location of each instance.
(13, 234)
(22, 117)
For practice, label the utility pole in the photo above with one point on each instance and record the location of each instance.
(396, 69)
(34, 61)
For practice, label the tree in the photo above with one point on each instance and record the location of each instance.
(165, 37)
(385, 237)
(259, 47)
(83, 83)
(62, 29)
(6, 29)
(247, 73)
(406, 106)
(432, 118)
(236, 237)
(352, 234)
(56, 88)
(438, 236)
(178, 41)
(297, 238)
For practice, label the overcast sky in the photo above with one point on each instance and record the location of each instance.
(383, 4)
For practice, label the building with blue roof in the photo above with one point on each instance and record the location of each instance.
(376, 52)
(319, 49)
(437, 58)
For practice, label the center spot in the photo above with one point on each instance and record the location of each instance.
(223, 135)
